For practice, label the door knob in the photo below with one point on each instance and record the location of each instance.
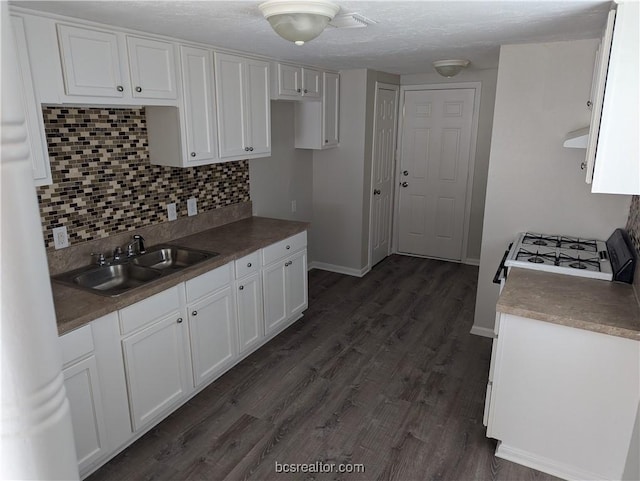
(405, 173)
(376, 192)
(405, 184)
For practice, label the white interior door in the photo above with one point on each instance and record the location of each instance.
(434, 166)
(384, 144)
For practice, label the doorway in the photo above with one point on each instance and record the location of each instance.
(384, 147)
(437, 147)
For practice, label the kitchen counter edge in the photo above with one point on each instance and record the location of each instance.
(591, 304)
(74, 307)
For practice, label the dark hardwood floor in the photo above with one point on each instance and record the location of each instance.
(380, 371)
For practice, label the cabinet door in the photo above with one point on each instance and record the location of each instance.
(296, 274)
(91, 62)
(275, 306)
(250, 315)
(212, 324)
(311, 83)
(156, 363)
(33, 111)
(230, 81)
(198, 104)
(153, 68)
(87, 416)
(289, 81)
(331, 110)
(259, 107)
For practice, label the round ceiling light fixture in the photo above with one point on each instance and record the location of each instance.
(450, 68)
(299, 21)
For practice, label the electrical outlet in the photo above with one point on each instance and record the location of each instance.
(172, 214)
(192, 206)
(60, 238)
(294, 207)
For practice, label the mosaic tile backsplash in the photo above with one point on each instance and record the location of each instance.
(633, 223)
(103, 182)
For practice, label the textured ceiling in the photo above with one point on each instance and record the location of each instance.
(407, 37)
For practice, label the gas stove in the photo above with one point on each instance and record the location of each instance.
(561, 254)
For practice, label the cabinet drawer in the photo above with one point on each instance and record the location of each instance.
(209, 282)
(285, 247)
(149, 310)
(248, 264)
(76, 344)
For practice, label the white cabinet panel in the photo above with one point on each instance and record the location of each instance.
(156, 361)
(317, 124)
(275, 304)
(331, 110)
(212, 323)
(244, 111)
(91, 62)
(250, 312)
(153, 68)
(311, 83)
(296, 274)
(87, 416)
(197, 71)
(33, 111)
(291, 82)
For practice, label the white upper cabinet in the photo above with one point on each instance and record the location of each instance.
(152, 64)
(94, 66)
(244, 112)
(91, 62)
(617, 156)
(317, 124)
(187, 136)
(291, 82)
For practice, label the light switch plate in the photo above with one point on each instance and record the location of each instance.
(172, 213)
(192, 206)
(60, 238)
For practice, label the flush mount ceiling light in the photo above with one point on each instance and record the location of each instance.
(299, 21)
(450, 68)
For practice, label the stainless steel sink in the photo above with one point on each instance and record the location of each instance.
(122, 276)
(171, 257)
(116, 278)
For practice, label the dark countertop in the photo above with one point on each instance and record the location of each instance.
(594, 305)
(75, 307)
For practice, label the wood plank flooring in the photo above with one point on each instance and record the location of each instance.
(380, 371)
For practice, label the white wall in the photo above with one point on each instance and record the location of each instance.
(487, 78)
(285, 176)
(534, 183)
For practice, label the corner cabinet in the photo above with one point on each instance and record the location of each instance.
(317, 124)
(244, 110)
(613, 157)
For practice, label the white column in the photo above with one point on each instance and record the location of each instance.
(35, 427)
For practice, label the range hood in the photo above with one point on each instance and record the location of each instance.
(577, 139)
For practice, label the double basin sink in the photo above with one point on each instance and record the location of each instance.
(120, 277)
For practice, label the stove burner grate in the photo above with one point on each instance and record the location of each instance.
(574, 243)
(591, 263)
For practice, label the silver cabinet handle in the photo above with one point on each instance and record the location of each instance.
(241, 288)
(246, 149)
(326, 141)
(179, 320)
(583, 165)
(138, 89)
(194, 313)
(589, 103)
(405, 184)
(306, 91)
(376, 192)
(251, 149)
(405, 173)
(193, 154)
(249, 264)
(287, 264)
(298, 90)
(288, 247)
(120, 88)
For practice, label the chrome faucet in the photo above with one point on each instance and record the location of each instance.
(131, 247)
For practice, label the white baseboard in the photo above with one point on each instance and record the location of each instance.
(471, 262)
(482, 331)
(546, 465)
(339, 269)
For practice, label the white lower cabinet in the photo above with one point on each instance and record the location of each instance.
(156, 355)
(284, 279)
(212, 324)
(248, 287)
